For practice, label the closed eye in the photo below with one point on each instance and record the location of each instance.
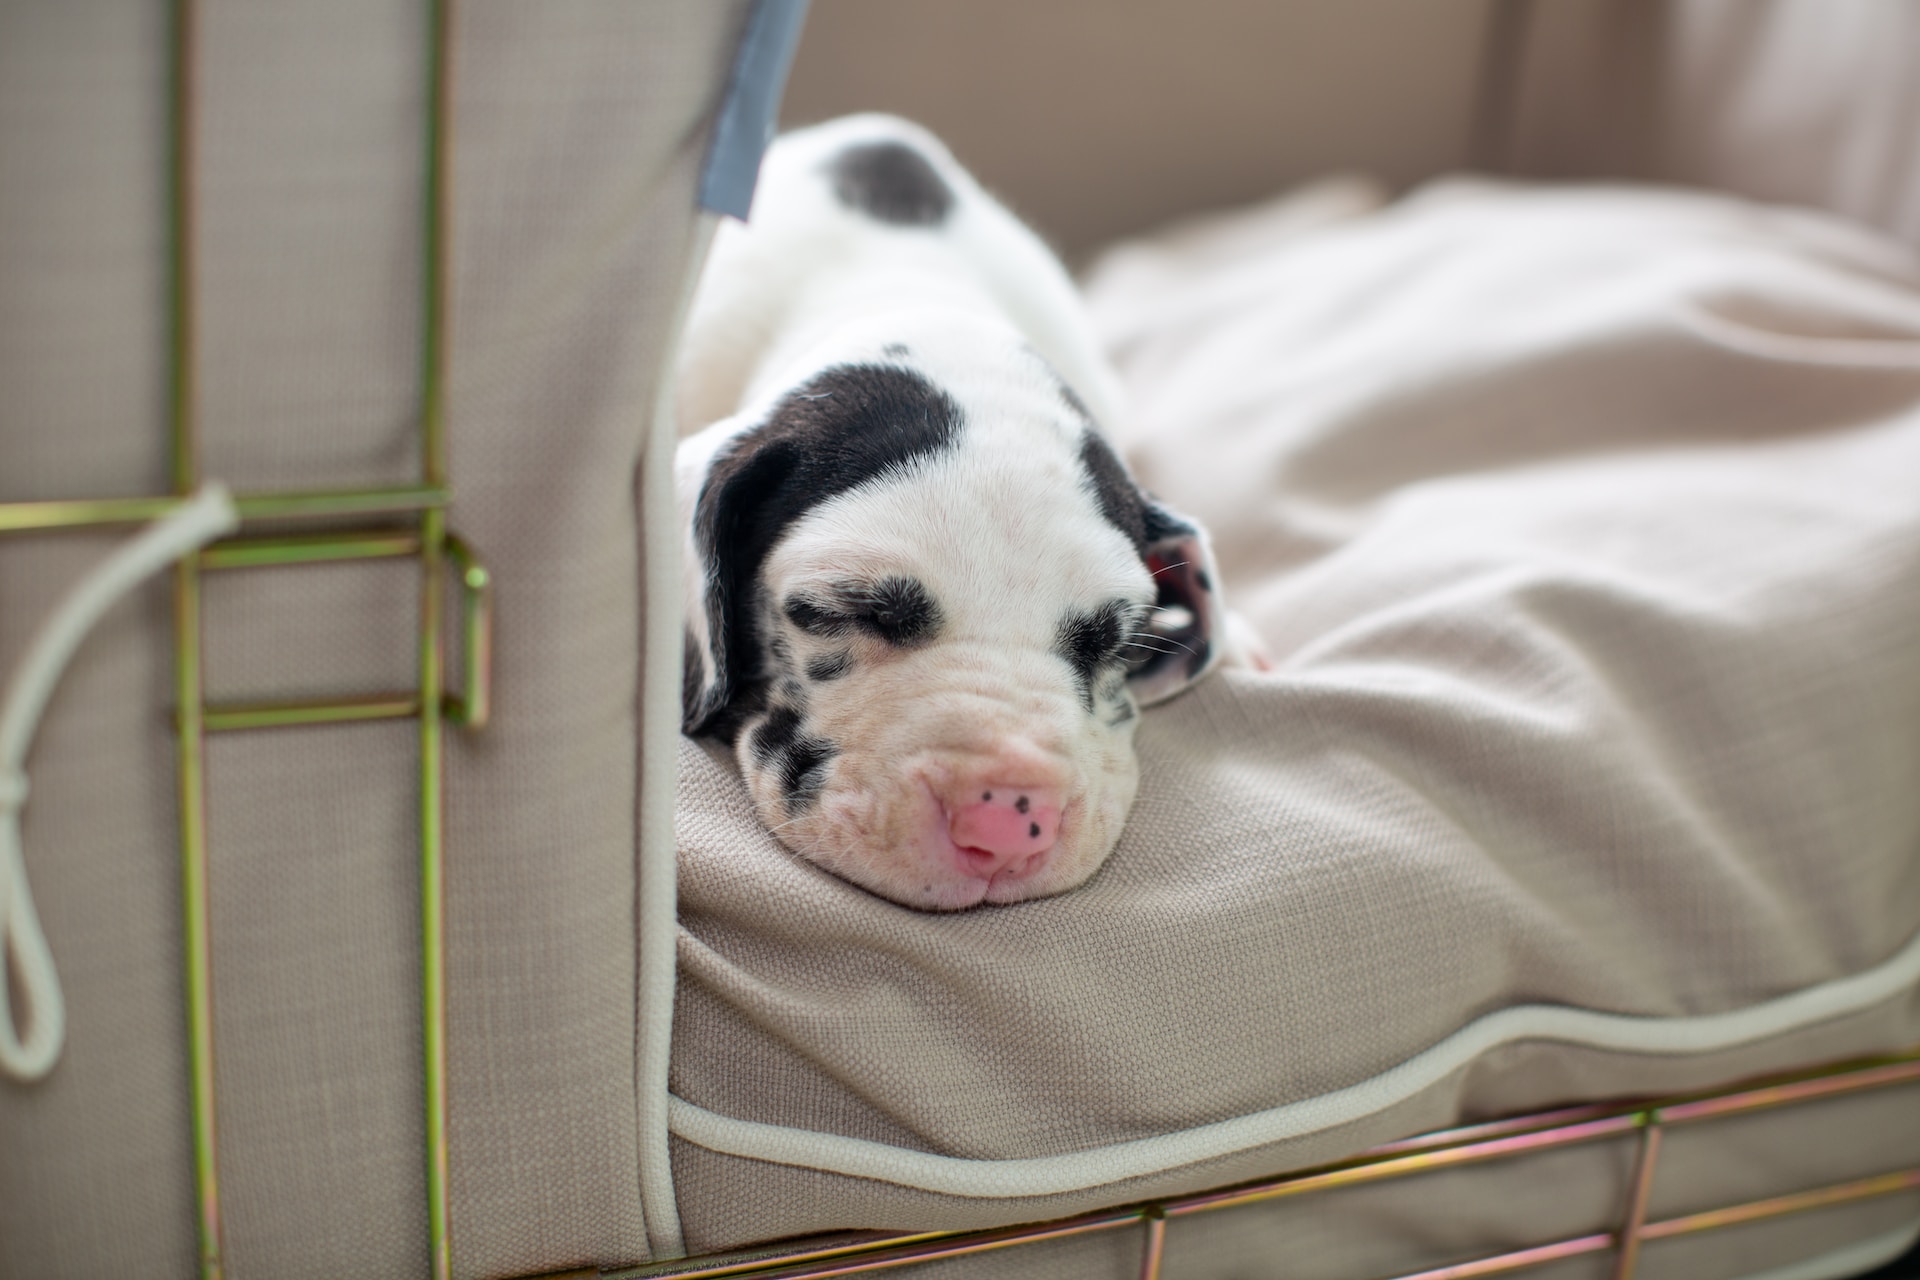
(898, 610)
(815, 618)
(1111, 633)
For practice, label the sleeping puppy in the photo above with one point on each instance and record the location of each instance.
(924, 597)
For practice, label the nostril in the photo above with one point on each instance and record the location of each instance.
(1005, 825)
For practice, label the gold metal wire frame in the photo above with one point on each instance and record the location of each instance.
(1453, 1148)
(412, 525)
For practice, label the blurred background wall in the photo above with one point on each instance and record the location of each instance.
(1100, 118)
(1096, 120)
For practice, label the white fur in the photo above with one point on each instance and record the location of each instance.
(1001, 529)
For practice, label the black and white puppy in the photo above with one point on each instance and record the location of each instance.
(924, 597)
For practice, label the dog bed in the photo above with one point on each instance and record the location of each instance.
(1581, 524)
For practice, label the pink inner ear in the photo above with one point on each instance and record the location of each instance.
(1184, 617)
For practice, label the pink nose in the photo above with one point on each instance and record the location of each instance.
(1005, 826)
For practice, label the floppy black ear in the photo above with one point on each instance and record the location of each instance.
(1187, 628)
(1188, 625)
(740, 490)
(738, 500)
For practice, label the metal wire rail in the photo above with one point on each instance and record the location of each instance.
(1476, 1144)
(415, 528)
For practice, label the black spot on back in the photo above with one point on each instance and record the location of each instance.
(848, 426)
(890, 182)
(898, 350)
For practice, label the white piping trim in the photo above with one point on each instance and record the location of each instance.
(22, 943)
(1098, 1166)
(657, 912)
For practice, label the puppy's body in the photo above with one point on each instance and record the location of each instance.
(861, 222)
(922, 591)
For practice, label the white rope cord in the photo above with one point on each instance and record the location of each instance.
(23, 947)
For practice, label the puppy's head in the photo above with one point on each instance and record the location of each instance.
(926, 602)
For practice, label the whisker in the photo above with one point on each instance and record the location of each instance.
(789, 822)
(1178, 647)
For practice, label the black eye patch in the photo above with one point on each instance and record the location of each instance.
(829, 666)
(1089, 640)
(898, 610)
(815, 618)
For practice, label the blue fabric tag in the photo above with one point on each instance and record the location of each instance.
(752, 106)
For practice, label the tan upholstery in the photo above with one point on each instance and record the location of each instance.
(577, 135)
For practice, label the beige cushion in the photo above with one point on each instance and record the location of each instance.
(1581, 524)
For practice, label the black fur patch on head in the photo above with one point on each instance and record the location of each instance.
(781, 743)
(1122, 503)
(775, 734)
(890, 182)
(896, 609)
(847, 426)
(829, 666)
(804, 771)
(1111, 486)
(1147, 525)
(1089, 640)
(815, 618)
